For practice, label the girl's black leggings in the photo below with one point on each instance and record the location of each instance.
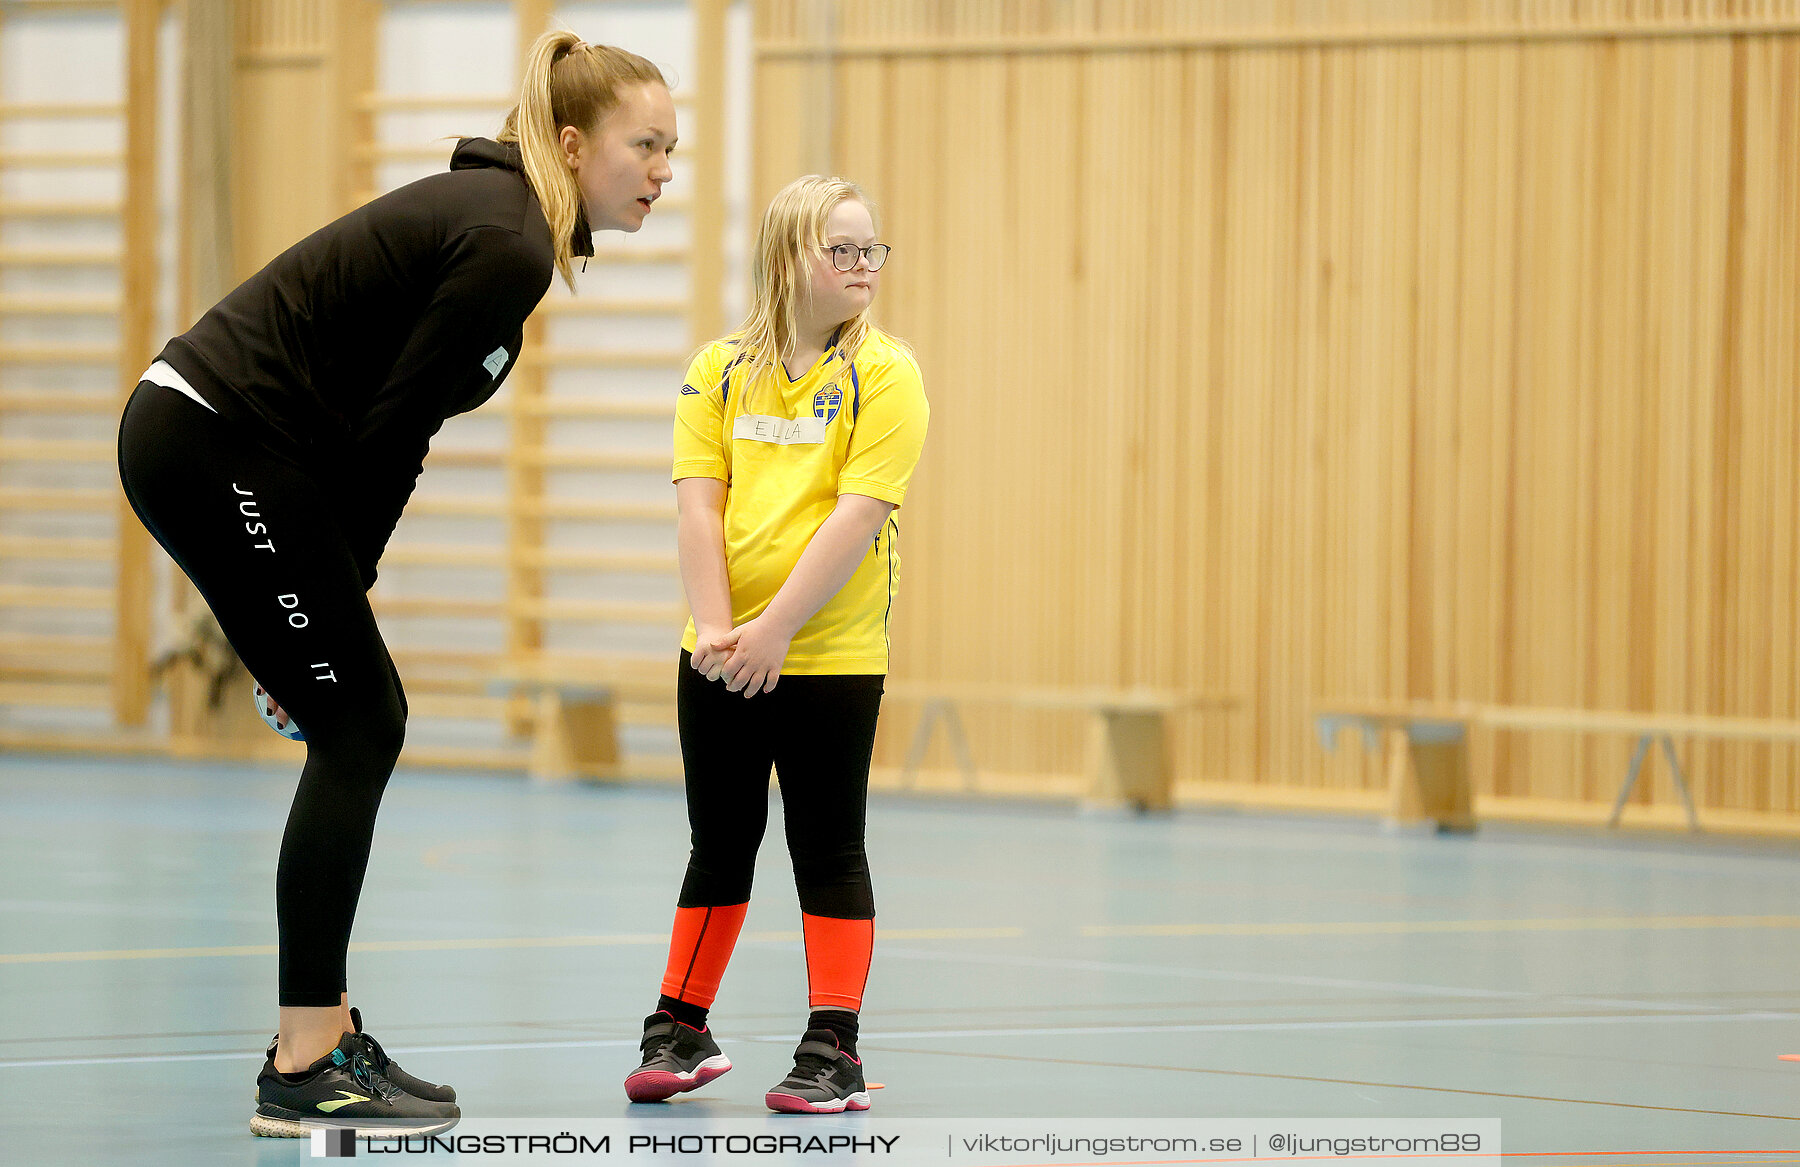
(818, 732)
(254, 531)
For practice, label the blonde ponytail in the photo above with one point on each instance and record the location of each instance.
(567, 82)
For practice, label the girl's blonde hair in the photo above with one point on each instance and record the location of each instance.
(792, 231)
(568, 82)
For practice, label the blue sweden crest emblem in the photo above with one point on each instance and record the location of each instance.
(827, 402)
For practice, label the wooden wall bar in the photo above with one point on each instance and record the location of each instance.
(286, 122)
(133, 585)
(78, 311)
(285, 163)
(1285, 350)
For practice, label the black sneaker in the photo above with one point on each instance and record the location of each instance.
(824, 1080)
(417, 1087)
(343, 1090)
(386, 1066)
(677, 1058)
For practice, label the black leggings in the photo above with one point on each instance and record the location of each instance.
(252, 529)
(818, 733)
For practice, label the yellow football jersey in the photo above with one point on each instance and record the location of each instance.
(785, 449)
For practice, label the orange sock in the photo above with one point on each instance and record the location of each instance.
(837, 961)
(699, 950)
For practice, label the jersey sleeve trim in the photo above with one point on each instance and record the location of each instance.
(700, 468)
(886, 492)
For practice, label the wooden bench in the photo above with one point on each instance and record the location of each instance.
(1128, 753)
(575, 720)
(1427, 759)
(1425, 756)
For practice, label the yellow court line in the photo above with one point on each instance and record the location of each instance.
(504, 942)
(1407, 927)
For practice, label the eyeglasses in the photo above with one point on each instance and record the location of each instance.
(845, 255)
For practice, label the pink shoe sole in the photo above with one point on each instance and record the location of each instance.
(790, 1104)
(657, 1085)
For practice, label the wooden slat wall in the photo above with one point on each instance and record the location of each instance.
(1331, 349)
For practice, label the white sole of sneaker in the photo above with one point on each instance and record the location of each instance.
(793, 1104)
(264, 1126)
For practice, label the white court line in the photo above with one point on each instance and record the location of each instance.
(1259, 978)
(491, 943)
(1276, 1026)
(940, 1034)
(133, 1059)
(1203, 974)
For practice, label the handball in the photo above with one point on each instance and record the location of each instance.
(265, 706)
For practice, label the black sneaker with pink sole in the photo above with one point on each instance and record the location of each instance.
(677, 1058)
(824, 1080)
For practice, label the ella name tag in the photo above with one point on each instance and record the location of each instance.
(495, 361)
(781, 431)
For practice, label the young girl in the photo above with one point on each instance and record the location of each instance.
(795, 438)
(271, 449)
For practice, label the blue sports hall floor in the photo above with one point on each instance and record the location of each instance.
(1608, 999)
